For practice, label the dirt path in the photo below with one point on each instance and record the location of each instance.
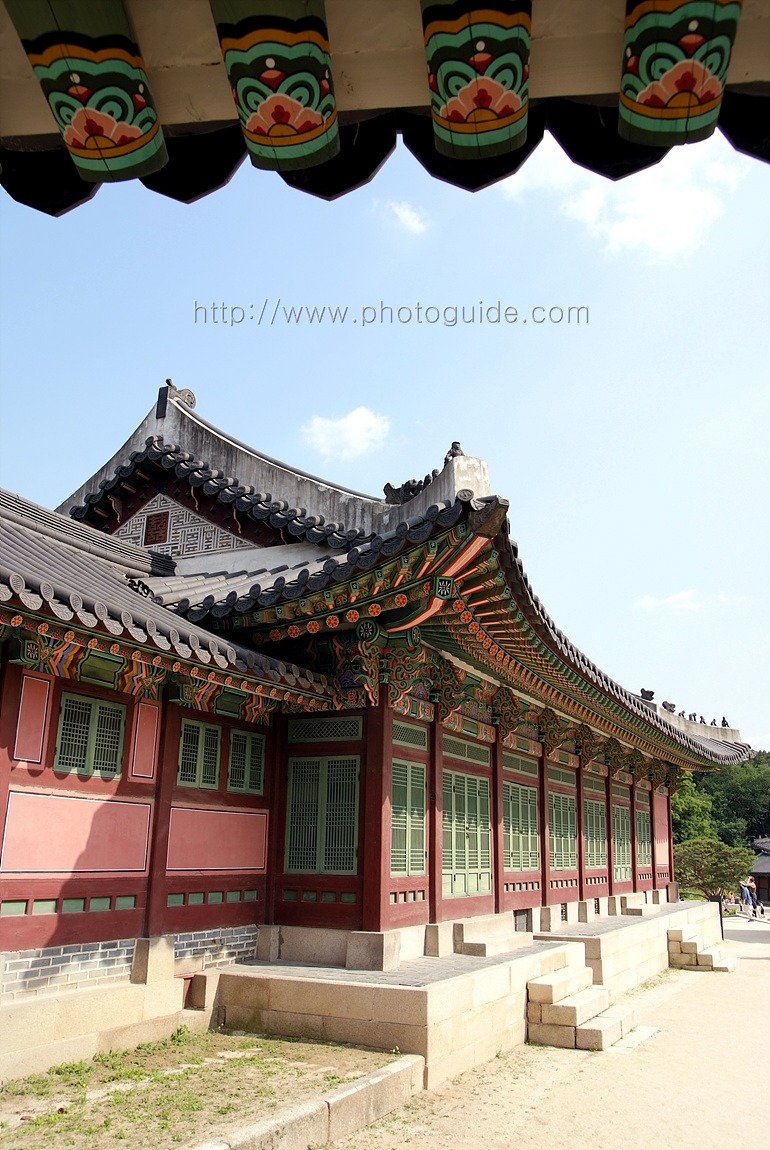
(683, 1087)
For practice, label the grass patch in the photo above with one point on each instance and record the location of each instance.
(180, 1090)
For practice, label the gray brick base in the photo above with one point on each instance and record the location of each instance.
(25, 972)
(217, 947)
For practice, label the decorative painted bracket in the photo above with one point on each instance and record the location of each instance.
(478, 73)
(87, 61)
(278, 64)
(676, 54)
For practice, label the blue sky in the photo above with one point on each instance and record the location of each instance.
(633, 447)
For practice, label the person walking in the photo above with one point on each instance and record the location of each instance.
(753, 895)
(746, 900)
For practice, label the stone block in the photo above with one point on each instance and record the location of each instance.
(577, 1008)
(683, 961)
(447, 997)
(363, 1102)
(636, 899)
(153, 959)
(412, 942)
(269, 943)
(293, 1025)
(243, 989)
(598, 1034)
(586, 910)
(241, 1018)
(37, 1059)
(27, 1023)
(294, 1128)
(89, 1011)
(691, 946)
(151, 1030)
(316, 996)
(378, 1035)
(373, 950)
(534, 1012)
(554, 987)
(674, 947)
(614, 906)
(408, 1004)
(490, 985)
(625, 1015)
(544, 1035)
(163, 998)
(439, 939)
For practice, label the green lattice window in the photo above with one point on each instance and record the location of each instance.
(563, 828)
(466, 841)
(621, 843)
(322, 815)
(407, 819)
(643, 839)
(246, 763)
(519, 827)
(199, 745)
(90, 737)
(595, 823)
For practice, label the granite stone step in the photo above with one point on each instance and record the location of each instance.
(550, 988)
(497, 944)
(577, 1008)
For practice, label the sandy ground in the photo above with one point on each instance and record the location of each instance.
(702, 1079)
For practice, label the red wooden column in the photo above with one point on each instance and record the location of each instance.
(545, 832)
(671, 875)
(168, 755)
(498, 862)
(374, 860)
(634, 876)
(10, 687)
(581, 838)
(278, 774)
(610, 849)
(435, 819)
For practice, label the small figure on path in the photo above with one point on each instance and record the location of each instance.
(746, 900)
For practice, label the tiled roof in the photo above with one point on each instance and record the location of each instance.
(294, 522)
(53, 564)
(242, 592)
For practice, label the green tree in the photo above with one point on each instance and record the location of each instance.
(691, 816)
(711, 866)
(740, 799)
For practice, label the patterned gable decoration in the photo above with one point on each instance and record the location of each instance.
(171, 529)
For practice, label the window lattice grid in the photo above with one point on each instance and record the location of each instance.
(108, 739)
(466, 834)
(199, 750)
(595, 817)
(621, 843)
(73, 735)
(409, 735)
(563, 831)
(90, 737)
(471, 752)
(513, 762)
(341, 807)
(407, 826)
(322, 815)
(520, 841)
(323, 730)
(643, 838)
(245, 770)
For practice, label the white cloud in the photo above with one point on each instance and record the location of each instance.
(408, 217)
(679, 601)
(664, 211)
(354, 434)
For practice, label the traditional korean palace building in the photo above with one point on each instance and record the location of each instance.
(235, 696)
